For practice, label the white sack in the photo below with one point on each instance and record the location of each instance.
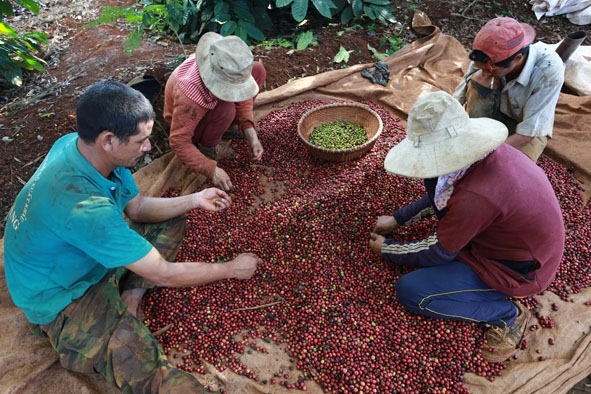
(577, 11)
(577, 75)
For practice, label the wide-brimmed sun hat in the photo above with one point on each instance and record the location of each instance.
(441, 138)
(500, 38)
(225, 66)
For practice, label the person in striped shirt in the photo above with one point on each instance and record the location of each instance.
(210, 95)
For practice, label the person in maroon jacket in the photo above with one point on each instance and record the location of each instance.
(500, 233)
(211, 92)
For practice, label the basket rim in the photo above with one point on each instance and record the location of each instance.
(369, 142)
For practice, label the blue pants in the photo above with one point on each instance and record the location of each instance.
(454, 291)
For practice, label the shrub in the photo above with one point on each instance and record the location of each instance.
(251, 20)
(18, 50)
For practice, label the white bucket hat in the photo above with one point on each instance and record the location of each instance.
(441, 138)
(225, 66)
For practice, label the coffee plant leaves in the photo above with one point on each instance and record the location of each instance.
(251, 31)
(304, 40)
(30, 62)
(222, 11)
(132, 41)
(228, 28)
(378, 2)
(282, 3)
(18, 51)
(385, 16)
(250, 20)
(357, 8)
(370, 12)
(347, 15)
(222, 18)
(324, 7)
(264, 21)
(299, 9)
(31, 5)
(243, 13)
(376, 54)
(176, 16)
(7, 29)
(342, 55)
(10, 71)
(107, 15)
(6, 8)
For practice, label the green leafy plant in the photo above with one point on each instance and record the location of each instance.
(250, 20)
(375, 10)
(187, 20)
(299, 8)
(18, 51)
(276, 42)
(342, 55)
(391, 43)
(304, 40)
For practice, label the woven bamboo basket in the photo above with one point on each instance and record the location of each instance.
(354, 113)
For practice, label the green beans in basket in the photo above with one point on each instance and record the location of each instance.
(339, 134)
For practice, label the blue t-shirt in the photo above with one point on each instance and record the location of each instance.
(65, 230)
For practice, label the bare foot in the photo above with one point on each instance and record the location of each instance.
(132, 298)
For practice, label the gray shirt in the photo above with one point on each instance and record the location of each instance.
(531, 98)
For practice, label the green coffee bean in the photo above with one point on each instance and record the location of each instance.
(339, 134)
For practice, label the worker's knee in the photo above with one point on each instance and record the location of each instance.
(407, 292)
(259, 73)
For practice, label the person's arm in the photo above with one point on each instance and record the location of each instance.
(425, 253)
(467, 215)
(244, 110)
(406, 215)
(538, 110)
(142, 209)
(518, 141)
(245, 118)
(255, 146)
(185, 116)
(186, 274)
(460, 91)
(414, 211)
(244, 114)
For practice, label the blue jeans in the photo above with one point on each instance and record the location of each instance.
(454, 291)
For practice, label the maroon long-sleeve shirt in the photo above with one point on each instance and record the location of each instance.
(502, 212)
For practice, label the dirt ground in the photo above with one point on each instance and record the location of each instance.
(34, 116)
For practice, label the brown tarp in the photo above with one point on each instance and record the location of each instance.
(433, 62)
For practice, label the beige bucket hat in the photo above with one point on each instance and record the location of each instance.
(225, 66)
(441, 138)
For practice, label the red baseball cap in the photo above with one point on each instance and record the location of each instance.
(502, 37)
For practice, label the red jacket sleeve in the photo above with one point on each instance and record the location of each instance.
(244, 114)
(183, 115)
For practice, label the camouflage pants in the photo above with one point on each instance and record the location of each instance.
(96, 333)
(482, 101)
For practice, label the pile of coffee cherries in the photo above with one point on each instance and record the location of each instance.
(321, 293)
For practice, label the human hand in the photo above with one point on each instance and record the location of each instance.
(256, 149)
(221, 179)
(244, 265)
(212, 199)
(385, 225)
(375, 243)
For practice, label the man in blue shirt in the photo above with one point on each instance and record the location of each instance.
(77, 269)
